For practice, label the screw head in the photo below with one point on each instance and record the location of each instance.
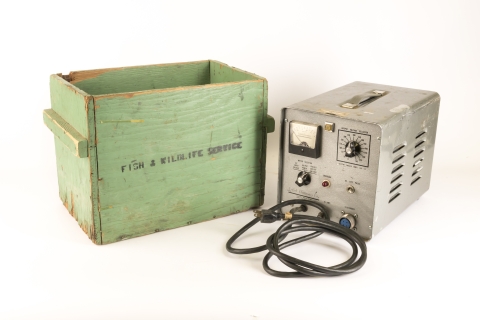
(286, 120)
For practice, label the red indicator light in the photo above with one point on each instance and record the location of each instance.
(325, 183)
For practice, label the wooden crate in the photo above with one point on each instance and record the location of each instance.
(149, 148)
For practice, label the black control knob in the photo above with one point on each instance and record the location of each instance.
(352, 148)
(303, 179)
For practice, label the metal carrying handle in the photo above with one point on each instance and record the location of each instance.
(363, 99)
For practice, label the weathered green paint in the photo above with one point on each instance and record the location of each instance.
(69, 103)
(128, 128)
(96, 235)
(76, 191)
(220, 73)
(140, 78)
(67, 134)
(270, 124)
(177, 122)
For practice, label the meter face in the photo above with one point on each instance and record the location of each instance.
(303, 134)
(304, 139)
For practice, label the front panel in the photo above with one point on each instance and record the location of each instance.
(333, 161)
(172, 158)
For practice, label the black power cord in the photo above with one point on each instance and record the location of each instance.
(296, 223)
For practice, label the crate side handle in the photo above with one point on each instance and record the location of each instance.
(270, 124)
(66, 133)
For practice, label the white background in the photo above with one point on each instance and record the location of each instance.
(423, 265)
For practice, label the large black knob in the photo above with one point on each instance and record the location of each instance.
(352, 148)
(303, 179)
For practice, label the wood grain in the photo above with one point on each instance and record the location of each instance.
(132, 79)
(176, 123)
(168, 146)
(221, 72)
(67, 134)
(75, 174)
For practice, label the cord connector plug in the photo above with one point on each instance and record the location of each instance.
(267, 216)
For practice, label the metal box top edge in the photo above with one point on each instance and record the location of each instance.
(395, 104)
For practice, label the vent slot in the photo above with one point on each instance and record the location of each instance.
(400, 166)
(400, 157)
(396, 187)
(419, 144)
(419, 149)
(417, 171)
(415, 180)
(394, 197)
(420, 134)
(398, 176)
(397, 157)
(417, 162)
(398, 148)
(419, 152)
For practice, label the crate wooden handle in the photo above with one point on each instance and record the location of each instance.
(66, 133)
(270, 124)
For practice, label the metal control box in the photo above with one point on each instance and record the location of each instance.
(149, 148)
(364, 151)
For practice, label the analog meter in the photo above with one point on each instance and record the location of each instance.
(304, 139)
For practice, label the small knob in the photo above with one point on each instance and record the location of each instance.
(352, 148)
(303, 178)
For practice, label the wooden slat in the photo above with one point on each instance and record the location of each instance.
(135, 115)
(221, 72)
(138, 131)
(134, 79)
(270, 124)
(77, 177)
(67, 134)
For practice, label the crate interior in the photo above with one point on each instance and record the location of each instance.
(152, 77)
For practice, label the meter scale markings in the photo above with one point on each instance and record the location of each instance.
(304, 139)
(353, 148)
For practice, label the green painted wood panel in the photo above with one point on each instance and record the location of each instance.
(131, 79)
(266, 123)
(69, 102)
(96, 236)
(134, 130)
(67, 134)
(221, 72)
(75, 186)
(75, 174)
(211, 115)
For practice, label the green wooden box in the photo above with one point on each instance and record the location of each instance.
(149, 148)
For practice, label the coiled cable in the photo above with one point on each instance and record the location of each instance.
(297, 223)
